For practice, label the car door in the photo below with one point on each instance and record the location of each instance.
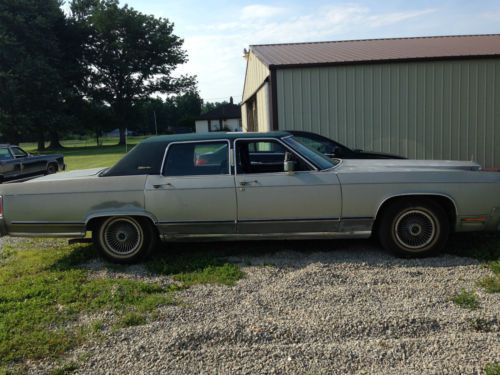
(193, 198)
(30, 165)
(271, 200)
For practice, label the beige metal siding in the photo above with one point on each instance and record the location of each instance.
(255, 75)
(424, 110)
(263, 109)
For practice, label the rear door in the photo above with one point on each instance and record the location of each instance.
(194, 195)
(271, 200)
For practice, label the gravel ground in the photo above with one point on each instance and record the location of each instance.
(350, 310)
(345, 308)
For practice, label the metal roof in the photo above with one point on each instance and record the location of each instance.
(377, 50)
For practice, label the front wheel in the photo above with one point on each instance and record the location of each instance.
(125, 239)
(51, 169)
(414, 228)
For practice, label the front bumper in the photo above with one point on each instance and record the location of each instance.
(493, 222)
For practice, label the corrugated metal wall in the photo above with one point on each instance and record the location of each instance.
(425, 110)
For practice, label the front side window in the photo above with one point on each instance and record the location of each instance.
(254, 156)
(197, 159)
(18, 153)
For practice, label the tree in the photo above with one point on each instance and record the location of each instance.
(129, 56)
(210, 106)
(31, 84)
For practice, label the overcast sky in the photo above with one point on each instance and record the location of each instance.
(215, 32)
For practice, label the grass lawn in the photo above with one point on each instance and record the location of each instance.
(45, 290)
(86, 154)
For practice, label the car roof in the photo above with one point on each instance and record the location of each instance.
(213, 135)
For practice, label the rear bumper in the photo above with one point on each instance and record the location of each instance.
(3, 228)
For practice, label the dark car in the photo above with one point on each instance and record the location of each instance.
(17, 164)
(333, 149)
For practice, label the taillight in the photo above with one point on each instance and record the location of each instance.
(201, 162)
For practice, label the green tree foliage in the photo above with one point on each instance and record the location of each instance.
(32, 68)
(129, 56)
(174, 114)
(210, 106)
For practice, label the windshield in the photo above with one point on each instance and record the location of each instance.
(317, 158)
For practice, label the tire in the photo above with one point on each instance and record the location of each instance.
(415, 228)
(51, 169)
(125, 239)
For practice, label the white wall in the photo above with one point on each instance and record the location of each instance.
(233, 124)
(201, 126)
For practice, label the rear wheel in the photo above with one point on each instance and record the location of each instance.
(125, 239)
(414, 228)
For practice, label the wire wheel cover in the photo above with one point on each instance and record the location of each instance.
(416, 229)
(123, 236)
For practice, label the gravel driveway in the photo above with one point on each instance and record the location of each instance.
(353, 309)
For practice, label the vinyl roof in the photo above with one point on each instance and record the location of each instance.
(212, 136)
(377, 50)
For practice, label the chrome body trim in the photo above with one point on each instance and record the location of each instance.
(48, 234)
(267, 236)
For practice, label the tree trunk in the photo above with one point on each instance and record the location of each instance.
(122, 137)
(41, 141)
(55, 143)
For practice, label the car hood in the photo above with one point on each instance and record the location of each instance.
(68, 175)
(405, 164)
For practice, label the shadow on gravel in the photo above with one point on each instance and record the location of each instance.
(459, 252)
(175, 258)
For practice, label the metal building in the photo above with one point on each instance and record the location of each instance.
(424, 98)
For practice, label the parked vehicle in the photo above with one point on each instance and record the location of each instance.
(334, 149)
(17, 164)
(267, 185)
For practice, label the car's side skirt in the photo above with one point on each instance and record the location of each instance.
(268, 229)
(266, 236)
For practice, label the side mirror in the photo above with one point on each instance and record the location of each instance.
(289, 166)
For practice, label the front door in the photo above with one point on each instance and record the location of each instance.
(195, 194)
(271, 200)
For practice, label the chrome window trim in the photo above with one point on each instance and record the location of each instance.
(225, 140)
(269, 139)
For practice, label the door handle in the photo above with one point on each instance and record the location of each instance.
(168, 184)
(246, 183)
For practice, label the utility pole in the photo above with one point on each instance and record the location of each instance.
(126, 139)
(156, 126)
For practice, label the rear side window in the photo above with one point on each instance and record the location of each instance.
(197, 159)
(5, 154)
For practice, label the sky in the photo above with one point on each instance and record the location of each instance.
(216, 32)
